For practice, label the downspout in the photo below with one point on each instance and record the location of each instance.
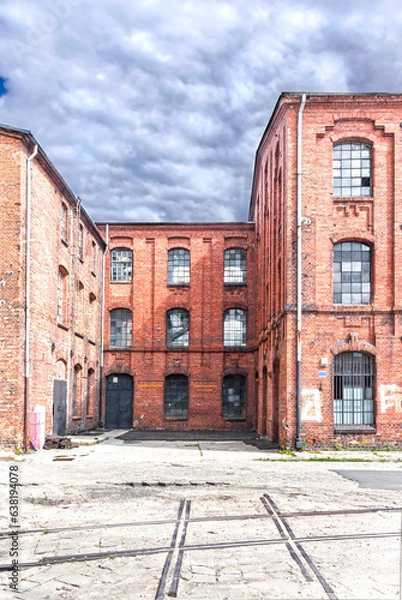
(299, 443)
(27, 295)
(101, 419)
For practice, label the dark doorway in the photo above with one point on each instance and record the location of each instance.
(59, 406)
(119, 401)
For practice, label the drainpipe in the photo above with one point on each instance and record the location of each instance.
(27, 295)
(299, 443)
(101, 419)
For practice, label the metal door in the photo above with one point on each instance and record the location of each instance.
(119, 401)
(59, 406)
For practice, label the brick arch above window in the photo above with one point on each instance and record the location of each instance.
(353, 344)
(176, 370)
(234, 370)
(353, 235)
(118, 368)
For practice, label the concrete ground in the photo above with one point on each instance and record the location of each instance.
(199, 519)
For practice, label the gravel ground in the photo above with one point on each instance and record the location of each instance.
(221, 520)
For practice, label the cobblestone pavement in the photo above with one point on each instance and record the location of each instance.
(201, 520)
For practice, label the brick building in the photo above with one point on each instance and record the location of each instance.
(50, 299)
(290, 324)
(327, 206)
(179, 326)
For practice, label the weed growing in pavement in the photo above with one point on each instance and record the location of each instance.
(287, 451)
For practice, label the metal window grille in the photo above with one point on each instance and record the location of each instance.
(122, 264)
(352, 169)
(178, 266)
(352, 273)
(234, 327)
(177, 328)
(234, 396)
(121, 325)
(176, 396)
(353, 389)
(235, 266)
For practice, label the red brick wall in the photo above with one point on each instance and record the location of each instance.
(54, 349)
(205, 361)
(374, 329)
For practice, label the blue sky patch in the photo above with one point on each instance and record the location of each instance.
(3, 89)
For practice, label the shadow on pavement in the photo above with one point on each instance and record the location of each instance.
(248, 437)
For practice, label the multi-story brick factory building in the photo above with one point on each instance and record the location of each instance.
(327, 208)
(290, 324)
(50, 299)
(180, 326)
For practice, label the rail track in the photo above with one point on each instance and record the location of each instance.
(168, 585)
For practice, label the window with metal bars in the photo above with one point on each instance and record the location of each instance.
(234, 327)
(353, 390)
(178, 266)
(352, 273)
(234, 396)
(177, 328)
(121, 325)
(234, 266)
(352, 169)
(176, 397)
(122, 264)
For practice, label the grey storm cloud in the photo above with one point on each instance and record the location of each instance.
(153, 110)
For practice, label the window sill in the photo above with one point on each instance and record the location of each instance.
(232, 285)
(234, 418)
(355, 429)
(80, 335)
(235, 348)
(176, 418)
(353, 198)
(120, 282)
(93, 273)
(76, 418)
(62, 326)
(178, 285)
(65, 242)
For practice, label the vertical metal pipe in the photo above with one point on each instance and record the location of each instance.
(299, 274)
(101, 419)
(27, 294)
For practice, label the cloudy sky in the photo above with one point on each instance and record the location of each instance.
(152, 110)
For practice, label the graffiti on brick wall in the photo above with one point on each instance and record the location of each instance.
(311, 405)
(390, 397)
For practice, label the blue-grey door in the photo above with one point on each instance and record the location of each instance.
(119, 401)
(59, 407)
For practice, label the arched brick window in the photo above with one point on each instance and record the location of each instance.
(177, 328)
(121, 327)
(234, 327)
(122, 265)
(178, 266)
(176, 397)
(353, 390)
(352, 273)
(235, 266)
(234, 396)
(352, 169)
